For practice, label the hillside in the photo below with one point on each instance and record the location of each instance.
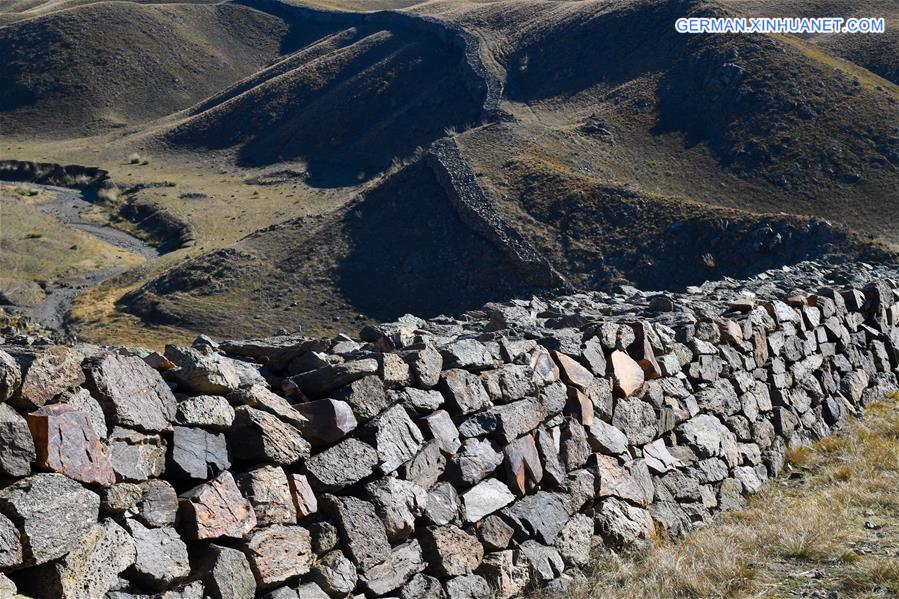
(296, 144)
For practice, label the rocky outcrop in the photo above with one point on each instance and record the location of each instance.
(478, 456)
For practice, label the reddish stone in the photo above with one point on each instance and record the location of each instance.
(66, 443)
(217, 509)
(627, 375)
(572, 372)
(523, 468)
(303, 498)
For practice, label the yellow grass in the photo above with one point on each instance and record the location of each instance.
(797, 536)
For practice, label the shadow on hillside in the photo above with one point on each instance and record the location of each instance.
(410, 253)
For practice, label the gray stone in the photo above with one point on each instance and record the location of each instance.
(464, 392)
(203, 372)
(637, 419)
(366, 396)
(477, 459)
(423, 586)
(10, 376)
(396, 438)
(466, 353)
(161, 556)
(483, 499)
(321, 381)
(45, 375)
(260, 398)
(606, 438)
(197, 454)
(209, 411)
(518, 418)
(260, 436)
(226, 574)
(16, 445)
(131, 393)
(135, 456)
(439, 426)
(158, 503)
(398, 503)
(216, 509)
(422, 401)
(52, 513)
(362, 531)
(426, 365)
(541, 516)
(81, 399)
(426, 467)
(545, 562)
(10, 545)
(494, 533)
(402, 564)
(335, 574)
(468, 587)
(345, 464)
(442, 505)
(574, 447)
(506, 573)
(310, 590)
(575, 540)
(93, 567)
(510, 382)
(622, 524)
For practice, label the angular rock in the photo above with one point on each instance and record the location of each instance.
(203, 372)
(321, 381)
(329, 420)
(226, 574)
(541, 516)
(442, 505)
(304, 500)
(423, 586)
(207, 411)
(52, 513)
(161, 556)
(93, 567)
(216, 509)
(523, 468)
(637, 419)
(494, 533)
(426, 365)
(574, 446)
(575, 540)
(419, 400)
(463, 391)
(483, 499)
(476, 461)
(545, 563)
(135, 456)
(197, 454)
(518, 418)
(365, 396)
(439, 426)
(398, 503)
(278, 553)
(130, 392)
(402, 564)
(616, 481)
(310, 590)
(466, 353)
(572, 372)
(10, 545)
(579, 406)
(627, 375)
(260, 398)
(335, 574)
(506, 574)
(10, 376)
(468, 587)
(362, 531)
(622, 524)
(345, 464)
(396, 438)
(158, 503)
(426, 467)
(658, 458)
(450, 551)
(66, 443)
(45, 375)
(81, 399)
(606, 438)
(544, 369)
(268, 491)
(259, 436)
(16, 444)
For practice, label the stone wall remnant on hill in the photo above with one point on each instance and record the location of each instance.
(477, 456)
(481, 78)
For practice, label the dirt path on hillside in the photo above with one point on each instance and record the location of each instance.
(69, 205)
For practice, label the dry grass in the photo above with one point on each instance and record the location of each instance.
(809, 536)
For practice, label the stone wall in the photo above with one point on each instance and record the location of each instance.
(480, 76)
(470, 457)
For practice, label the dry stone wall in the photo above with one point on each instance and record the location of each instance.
(470, 457)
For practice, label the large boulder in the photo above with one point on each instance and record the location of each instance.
(66, 443)
(53, 514)
(217, 509)
(130, 392)
(16, 444)
(258, 436)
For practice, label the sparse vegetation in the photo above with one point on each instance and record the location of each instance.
(137, 159)
(832, 527)
(26, 191)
